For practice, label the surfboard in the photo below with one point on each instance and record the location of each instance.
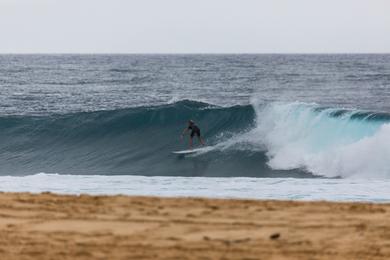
(184, 152)
(191, 151)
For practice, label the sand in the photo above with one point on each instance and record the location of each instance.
(48, 226)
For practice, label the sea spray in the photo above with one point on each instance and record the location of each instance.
(324, 141)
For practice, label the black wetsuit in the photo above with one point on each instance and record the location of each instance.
(194, 130)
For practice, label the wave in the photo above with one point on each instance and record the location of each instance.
(324, 141)
(257, 140)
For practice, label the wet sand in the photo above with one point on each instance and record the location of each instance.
(48, 226)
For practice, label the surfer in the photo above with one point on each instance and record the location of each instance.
(194, 131)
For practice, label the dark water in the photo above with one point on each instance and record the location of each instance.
(127, 141)
(122, 114)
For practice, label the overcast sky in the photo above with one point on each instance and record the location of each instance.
(196, 26)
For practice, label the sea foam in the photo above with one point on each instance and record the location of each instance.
(324, 141)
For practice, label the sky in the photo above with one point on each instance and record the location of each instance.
(194, 26)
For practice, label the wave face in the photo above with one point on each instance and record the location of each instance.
(273, 140)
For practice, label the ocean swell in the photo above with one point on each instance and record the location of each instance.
(258, 140)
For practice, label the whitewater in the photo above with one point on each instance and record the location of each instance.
(236, 187)
(277, 126)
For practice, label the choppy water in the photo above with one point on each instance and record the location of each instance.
(40, 84)
(267, 116)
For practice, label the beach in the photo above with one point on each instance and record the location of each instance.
(50, 226)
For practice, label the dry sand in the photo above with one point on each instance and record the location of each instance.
(49, 226)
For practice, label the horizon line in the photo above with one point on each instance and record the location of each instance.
(190, 53)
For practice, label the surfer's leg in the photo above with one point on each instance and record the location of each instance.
(199, 137)
(191, 136)
(201, 140)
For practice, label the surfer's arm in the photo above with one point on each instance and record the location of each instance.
(184, 131)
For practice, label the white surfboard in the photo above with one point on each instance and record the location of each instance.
(184, 152)
(192, 151)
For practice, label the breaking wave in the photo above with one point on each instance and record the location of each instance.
(258, 140)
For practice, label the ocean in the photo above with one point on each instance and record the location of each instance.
(277, 126)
